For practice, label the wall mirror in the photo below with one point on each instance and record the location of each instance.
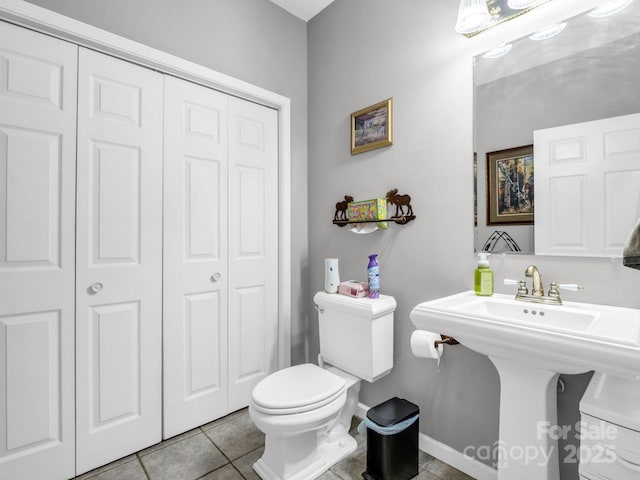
(581, 70)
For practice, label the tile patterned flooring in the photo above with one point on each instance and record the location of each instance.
(227, 449)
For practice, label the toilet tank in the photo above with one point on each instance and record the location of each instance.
(356, 334)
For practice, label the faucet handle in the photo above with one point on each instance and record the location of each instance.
(522, 285)
(522, 288)
(554, 290)
(570, 286)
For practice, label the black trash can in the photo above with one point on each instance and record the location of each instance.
(392, 440)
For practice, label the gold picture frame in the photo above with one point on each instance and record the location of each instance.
(372, 127)
(510, 182)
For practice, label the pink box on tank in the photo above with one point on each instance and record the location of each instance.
(353, 288)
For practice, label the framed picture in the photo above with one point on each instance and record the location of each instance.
(372, 127)
(475, 189)
(510, 186)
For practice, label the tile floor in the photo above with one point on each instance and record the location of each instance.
(227, 449)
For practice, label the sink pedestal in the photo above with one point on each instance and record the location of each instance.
(528, 409)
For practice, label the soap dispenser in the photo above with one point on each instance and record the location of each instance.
(483, 276)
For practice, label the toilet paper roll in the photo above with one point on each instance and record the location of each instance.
(423, 345)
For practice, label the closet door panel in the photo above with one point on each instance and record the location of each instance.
(119, 258)
(195, 256)
(37, 264)
(253, 247)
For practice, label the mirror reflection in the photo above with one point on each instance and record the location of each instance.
(581, 70)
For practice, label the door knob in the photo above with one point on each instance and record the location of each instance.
(215, 277)
(96, 287)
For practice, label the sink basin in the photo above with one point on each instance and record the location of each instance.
(531, 344)
(569, 338)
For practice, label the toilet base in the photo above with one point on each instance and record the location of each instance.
(329, 454)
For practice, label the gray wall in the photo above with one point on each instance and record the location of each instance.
(409, 51)
(252, 40)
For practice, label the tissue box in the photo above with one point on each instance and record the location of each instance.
(375, 209)
(353, 288)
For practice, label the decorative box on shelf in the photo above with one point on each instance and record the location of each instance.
(375, 209)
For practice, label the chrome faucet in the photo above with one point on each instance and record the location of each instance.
(537, 290)
(536, 284)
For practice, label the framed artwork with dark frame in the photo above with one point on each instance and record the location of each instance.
(510, 199)
(372, 127)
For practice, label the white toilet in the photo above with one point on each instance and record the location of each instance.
(305, 411)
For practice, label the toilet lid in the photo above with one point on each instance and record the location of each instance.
(297, 389)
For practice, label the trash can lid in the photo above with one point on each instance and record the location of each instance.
(393, 411)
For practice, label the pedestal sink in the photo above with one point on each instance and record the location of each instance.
(531, 344)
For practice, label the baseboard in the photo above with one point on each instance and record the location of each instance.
(446, 454)
(361, 410)
(456, 459)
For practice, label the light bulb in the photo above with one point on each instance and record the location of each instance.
(548, 32)
(497, 52)
(472, 16)
(609, 8)
(521, 4)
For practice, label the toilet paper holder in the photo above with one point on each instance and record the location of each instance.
(446, 340)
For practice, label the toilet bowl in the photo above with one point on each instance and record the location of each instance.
(305, 411)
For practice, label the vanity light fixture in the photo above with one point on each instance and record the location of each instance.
(498, 52)
(610, 7)
(473, 15)
(522, 4)
(548, 32)
(477, 16)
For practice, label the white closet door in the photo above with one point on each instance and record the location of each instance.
(119, 259)
(253, 247)
(195, 256)
(587, 195)
(37, 264)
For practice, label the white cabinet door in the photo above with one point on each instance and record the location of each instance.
(587, 195)
(253, 247)
(119, 259)
(195, 256)
(37, 264)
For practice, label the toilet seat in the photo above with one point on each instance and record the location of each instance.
(297, 389)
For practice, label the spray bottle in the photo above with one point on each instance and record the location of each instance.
(373, 274)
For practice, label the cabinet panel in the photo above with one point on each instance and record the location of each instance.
(115, 191)
(250, 326)
(30, 79)
(202, 327)
(32, 381)
(115, 100)
(119, 259)
(30, 198)
(37, 259)
(114, 371)
(202, 203)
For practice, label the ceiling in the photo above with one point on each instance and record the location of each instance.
(304, 9)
